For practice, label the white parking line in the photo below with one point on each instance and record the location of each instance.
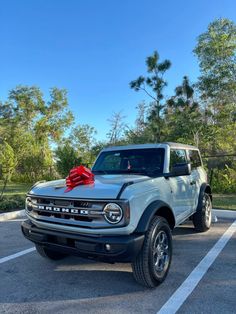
(8, 258)
(190, 283)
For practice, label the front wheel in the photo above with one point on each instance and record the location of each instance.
(50, 254)
(202, 217)
(152, 264)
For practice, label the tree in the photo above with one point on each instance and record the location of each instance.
(82, 138)
(6, 117)
(153, 85)
(67, 158)
(31, 124)
(8, 164)
(97, 147)
(35, 159)
(183, 115)
(117, 129)
(56, 117)
(47, 119)
(216, 52)
(140, 122)
(140, 133)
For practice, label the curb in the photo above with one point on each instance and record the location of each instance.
(222, 213)
(12, 215)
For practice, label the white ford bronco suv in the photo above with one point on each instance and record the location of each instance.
(140, 193)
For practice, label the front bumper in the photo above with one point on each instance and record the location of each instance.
(122, 248)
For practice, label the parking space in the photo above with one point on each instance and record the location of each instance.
(31, 284)
(12, 241)
(216, 292)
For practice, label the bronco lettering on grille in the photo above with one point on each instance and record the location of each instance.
(63, 210)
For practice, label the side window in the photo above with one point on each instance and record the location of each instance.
(177, 157)
(194, 159)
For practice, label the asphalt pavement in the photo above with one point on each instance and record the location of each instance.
(31, 284)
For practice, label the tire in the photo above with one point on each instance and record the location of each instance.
(152, 264)
(202, 217)
(49, 254)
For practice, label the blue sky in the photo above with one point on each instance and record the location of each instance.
(95, 48)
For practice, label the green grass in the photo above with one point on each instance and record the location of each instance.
(16, 188)
(224, 201)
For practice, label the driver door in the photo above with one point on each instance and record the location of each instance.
(181, 189)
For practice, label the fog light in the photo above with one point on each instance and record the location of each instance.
(108, 247)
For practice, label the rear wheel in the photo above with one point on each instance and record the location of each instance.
(152, 264)
(50, 254)
(202, 217)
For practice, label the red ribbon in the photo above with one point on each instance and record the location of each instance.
(79, 176)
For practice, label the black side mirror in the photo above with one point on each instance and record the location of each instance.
(181, 170)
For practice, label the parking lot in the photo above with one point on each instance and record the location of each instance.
(31, 284)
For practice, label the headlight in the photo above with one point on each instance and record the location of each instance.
(113, 213)
(28, 204)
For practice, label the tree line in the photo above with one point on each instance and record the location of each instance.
(39, 140)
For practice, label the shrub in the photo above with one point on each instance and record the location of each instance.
(13, 202)
(224, 180)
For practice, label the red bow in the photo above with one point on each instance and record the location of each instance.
(78, 176)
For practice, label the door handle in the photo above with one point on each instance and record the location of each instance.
(192, 182)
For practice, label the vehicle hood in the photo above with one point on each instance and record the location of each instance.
(104, 187)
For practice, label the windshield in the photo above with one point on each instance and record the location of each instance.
(134, 161)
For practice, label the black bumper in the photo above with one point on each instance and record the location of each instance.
(122, 248)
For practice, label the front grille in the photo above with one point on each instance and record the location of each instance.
(70, 211)
(76, 213)
(62, 202)
(41, 200)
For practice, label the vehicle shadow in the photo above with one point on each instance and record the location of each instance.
(184, 229)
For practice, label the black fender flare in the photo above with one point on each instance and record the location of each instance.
(152, 209)
(205, 188)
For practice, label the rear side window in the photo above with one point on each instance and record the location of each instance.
(195, 159)
(177, 157)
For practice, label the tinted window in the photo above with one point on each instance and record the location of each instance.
(194, 158)
(177, 157)
(145, 161)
